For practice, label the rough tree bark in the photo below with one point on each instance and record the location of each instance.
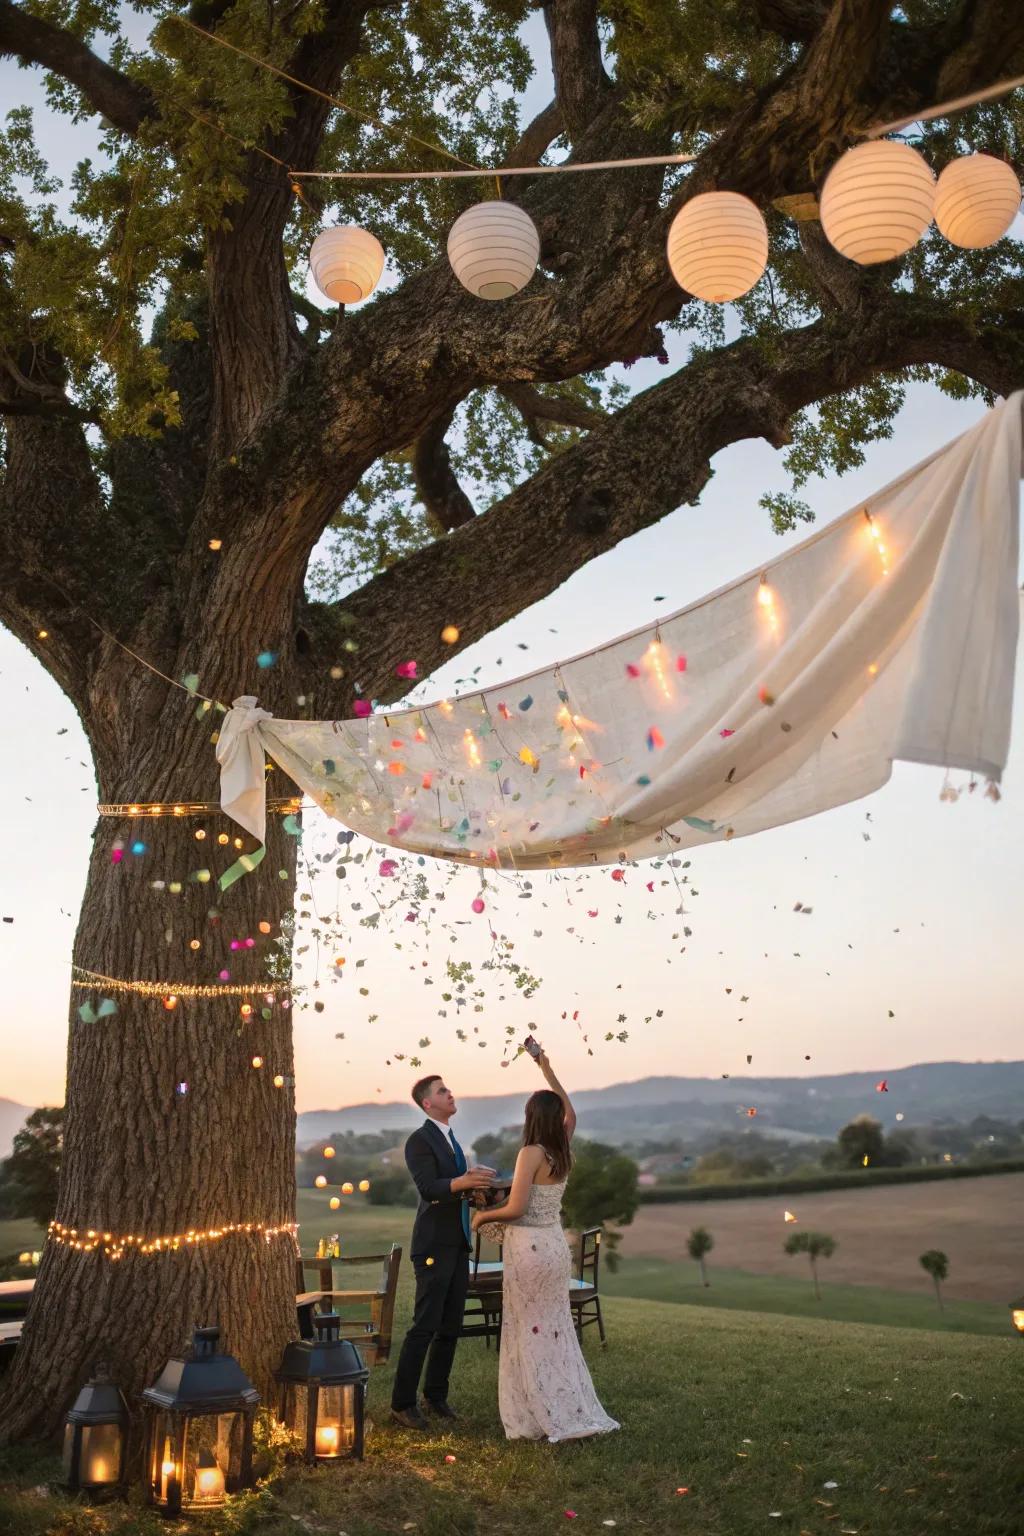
(278, 427)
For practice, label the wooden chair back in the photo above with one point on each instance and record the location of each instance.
(590, 1255)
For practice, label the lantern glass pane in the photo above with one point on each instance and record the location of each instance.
(164, 1458)
(213, 1459)
(296, 1408)
(100, 1460)
(336, 1421)
(69, 1450)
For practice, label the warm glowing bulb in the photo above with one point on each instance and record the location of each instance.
(334, 1202)
(246, 1010)
(223, 839)
(264, 927)
(238, 842)
(364, 1185)
(347, 1188)
(764, 596)
(257, 1061)
(1018, 1319)
(321, 1181)
(200, 834)
(195, 944)
(328, 1151)
(215, 544)
(449, 634)
(472, 750)
(170, 1002)
(279, 1081)
(44, 634)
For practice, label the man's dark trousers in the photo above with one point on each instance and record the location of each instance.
(440, 1259)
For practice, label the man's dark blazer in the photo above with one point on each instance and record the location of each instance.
(431, 1161)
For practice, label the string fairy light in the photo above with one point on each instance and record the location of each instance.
(87, 980)
(282, 805)
(875, 532)
(766, 602)
(114, 1245)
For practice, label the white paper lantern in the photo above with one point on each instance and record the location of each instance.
(493, 248)
(718, 246)
(346, 263)
(877, 201)
(976, 200)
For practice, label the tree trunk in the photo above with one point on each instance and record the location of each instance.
(938, 1293)
(703, 1273)
(817, 1288)
(144, 1156)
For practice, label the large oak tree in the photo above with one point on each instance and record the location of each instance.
(165, 383)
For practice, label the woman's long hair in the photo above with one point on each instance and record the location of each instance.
(545, 1127)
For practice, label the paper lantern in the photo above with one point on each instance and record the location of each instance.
(976, 201)
(346, 263)
(877, 201)
(718, 246)
(493, 248)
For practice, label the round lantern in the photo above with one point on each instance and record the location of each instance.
(976, 200)
(346, 263)
(718, 246)
(493, 248)
(877, 201)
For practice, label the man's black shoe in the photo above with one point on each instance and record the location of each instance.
(439, 1410)
(410, 1418)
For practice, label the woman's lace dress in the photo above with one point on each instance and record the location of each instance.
(544, 1387)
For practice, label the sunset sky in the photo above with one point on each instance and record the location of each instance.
(917, 905)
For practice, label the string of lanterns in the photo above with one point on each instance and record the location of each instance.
(115, 1245)
(877, 202)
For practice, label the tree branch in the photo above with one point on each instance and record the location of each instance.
(122, 101)
(580, 78)
(446, 502)
(537, 136)
(620, 480)
(535, 407)
(796, 21)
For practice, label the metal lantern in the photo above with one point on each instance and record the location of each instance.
(493, 248)
(346, 263)
(718, 246)
(976, 200)
(323, 1393)
(200, 1418)
(877, 201)
(1017, 1315)
(94, 1436)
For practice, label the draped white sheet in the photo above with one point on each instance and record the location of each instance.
(889, 634)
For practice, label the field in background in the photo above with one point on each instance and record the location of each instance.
(880, 1232)
(873, 1278)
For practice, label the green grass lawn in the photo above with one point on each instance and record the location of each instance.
(662, 1280)
(753, 1414)
(17, 1236)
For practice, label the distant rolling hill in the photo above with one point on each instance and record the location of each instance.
(795, 1106)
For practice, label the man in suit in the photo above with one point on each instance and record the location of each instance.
(440, 1256)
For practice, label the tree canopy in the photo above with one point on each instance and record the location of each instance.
(154, 314)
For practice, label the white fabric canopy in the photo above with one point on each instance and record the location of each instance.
(891, 633)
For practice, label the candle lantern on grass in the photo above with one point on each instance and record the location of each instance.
(200, 1412)
(323, 1393)
(94, 1434)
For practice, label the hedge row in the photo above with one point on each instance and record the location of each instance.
(854, 1178)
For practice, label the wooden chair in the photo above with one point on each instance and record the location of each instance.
(583, 1291)
(373, 1333)
(482, 1316)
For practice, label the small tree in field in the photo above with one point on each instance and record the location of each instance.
(698, 1245)
(936, 1264)
(816, 1245)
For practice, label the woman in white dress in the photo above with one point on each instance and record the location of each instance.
(544, 1388)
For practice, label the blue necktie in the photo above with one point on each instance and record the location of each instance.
(460, 1167)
